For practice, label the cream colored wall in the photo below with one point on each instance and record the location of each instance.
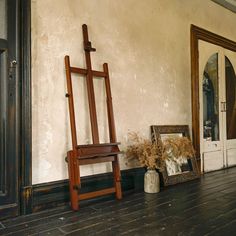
(147, 46)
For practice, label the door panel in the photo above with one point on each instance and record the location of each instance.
(9, 148)
(231, 159)
(217, 92)
(230, 107)
(212, 161)
(3, 115)
(230, 99)
(211, 136)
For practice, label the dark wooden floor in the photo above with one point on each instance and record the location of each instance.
(200, 207)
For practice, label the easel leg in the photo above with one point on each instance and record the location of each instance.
(117, 178)
(74, 195)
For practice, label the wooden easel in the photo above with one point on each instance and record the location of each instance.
(96, 152)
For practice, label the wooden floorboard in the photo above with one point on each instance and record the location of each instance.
(206, 206)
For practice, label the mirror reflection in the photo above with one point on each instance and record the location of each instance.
(210, 87)
(175, 166)
(230, 99)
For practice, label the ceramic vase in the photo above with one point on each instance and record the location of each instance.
(151, 181)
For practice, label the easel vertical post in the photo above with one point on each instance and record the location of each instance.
(71, 103)
(111, 120)
(91, 96)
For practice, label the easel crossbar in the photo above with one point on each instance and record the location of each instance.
(95, 73)
(102, 192)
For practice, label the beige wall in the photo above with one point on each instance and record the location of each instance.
(147, 46)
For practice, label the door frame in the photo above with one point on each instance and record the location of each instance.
(22, 130)
(196, 34)
(10, 197)
(25, 163)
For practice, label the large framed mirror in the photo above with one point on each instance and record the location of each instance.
(176, 170)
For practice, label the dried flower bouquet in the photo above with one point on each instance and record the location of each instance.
(153, 154)
(178, 147)
(148, 154)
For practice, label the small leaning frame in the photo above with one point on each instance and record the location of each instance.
(157, 132)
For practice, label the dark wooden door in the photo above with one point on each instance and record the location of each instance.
(9, 115)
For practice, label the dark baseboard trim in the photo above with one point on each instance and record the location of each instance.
(26, 200)
(53, 194)
(8, 211)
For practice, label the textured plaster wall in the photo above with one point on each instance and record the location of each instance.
(147, 46)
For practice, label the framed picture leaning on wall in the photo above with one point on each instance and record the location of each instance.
(181, 164)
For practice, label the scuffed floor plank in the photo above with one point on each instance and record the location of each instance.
(201, 207)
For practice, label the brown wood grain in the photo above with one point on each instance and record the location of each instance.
(96, 152)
